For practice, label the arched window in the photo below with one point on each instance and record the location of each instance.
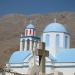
(32, 44)
(57, 40)
(66, 40)
(47, 40)
(28, 44)
(23, 44)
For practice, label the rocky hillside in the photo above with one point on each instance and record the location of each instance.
(12, 25)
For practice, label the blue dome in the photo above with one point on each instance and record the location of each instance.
(18, 57)
(55, 27)
(30, 26)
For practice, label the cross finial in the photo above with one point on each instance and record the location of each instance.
(55, 20)
(30, 21)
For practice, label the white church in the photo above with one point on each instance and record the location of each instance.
(61, 59)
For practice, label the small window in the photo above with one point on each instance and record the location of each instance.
(23, 44)
(28, 44)
(66, 41)
(47, 40)
(32, 44)
(26, 32)
(57, 41)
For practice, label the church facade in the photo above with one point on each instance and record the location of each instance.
(61, 59)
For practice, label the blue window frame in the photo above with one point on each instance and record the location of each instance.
(66, 40)
(47, 40)
(57, 40)
(28, 44)
(23, 43)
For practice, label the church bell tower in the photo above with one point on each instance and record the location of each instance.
(29, 40)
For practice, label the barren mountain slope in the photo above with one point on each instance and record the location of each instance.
(12, 25)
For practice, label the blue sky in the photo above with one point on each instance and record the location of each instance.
(36, 6)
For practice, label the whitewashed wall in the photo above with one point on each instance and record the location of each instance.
(52, 48)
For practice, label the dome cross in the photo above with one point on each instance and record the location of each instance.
(30, 21)
(55, 20)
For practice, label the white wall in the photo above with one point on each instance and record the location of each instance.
(64, 68)
(52, 47)
(66, 71)
(20, 70)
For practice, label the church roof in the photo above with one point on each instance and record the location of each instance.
(19, 57)
(30, 26)
(55, 27)
(66, 55)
